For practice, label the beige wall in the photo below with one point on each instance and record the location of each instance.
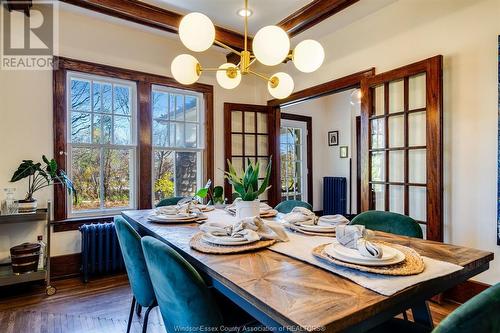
(330, 113)
(26, 100)
(465, 32)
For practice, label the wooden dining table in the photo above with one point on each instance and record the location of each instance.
(286, 294)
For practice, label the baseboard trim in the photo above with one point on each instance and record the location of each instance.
(465, 291)
(65, 266)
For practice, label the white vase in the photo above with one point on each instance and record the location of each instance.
(247, 208)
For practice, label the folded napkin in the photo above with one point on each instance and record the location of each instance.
(356, 237)
(172, 211)
(250, 228)
(333, 220)
(300, 215)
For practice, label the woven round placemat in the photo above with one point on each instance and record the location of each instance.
(312, 233)
(199, 244)
(413, 263)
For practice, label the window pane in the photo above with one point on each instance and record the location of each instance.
(80, 127)
(418, 203)
(116, 177)
(262, 145)
(236, 121)
(250, 122)
(378, 197)
(396, 131)
(396, 96)
(191, 108)
(121, 102)
(417, 91)
(378, 133)
(417, 129)
(107, 98)
(179, 135)
(250, 148)
(396, 199)
(378, 167)
(80, 95)
(163, 175)
(261, 122)
(123, 133)
(160, 105)
(179, 107)
(96, 92)
(160, 133)
(186, 166)
(85, 166)
(396, 166)
(417, 168)
(191, 135)
(101, 132)
(379, 100)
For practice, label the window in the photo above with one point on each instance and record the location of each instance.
(102, 144)
(178, 142)
(293, 156)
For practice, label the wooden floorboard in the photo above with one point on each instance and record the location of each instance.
(102, 305)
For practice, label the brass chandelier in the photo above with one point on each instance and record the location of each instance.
(270, 46)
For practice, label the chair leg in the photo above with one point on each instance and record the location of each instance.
(131, 314)
(138, 309)
(146, 317)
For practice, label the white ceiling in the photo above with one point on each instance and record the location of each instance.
(223, 12)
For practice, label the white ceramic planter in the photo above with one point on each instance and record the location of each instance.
(247, 208)
(27, 206)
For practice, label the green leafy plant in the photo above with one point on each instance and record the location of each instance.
(246, 184)
(40, 177)
(218, 195)
(215, 196)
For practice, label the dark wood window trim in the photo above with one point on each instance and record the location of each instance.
(144, 83)
(308, 121)
(434, 134)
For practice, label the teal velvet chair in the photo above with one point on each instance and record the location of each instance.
(135, 264)
(389, 222)
(186, 303)
(287, 206)
(478, 315)
(169, 201)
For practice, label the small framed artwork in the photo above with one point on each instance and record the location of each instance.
(333, 138)
(344, 152)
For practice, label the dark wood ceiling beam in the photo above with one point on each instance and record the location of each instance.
(152, 16)
(312, 14)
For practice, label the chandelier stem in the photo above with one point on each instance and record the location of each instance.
(227, 47)
(246, 24)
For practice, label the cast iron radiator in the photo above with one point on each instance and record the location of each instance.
(334, 195)
(101, 253)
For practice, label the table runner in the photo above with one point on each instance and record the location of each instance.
(300, 247)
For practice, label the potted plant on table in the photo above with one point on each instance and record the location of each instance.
(247, 187)
(40, 177)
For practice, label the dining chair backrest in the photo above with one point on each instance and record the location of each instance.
(287, 206)
(169, 201)
(135, 264)
(185, 301)
(479, 314)
(389, 222)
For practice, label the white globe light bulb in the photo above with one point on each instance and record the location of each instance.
(308, 56)
(228, 79)
(185, 69)
(281, 85)
(271, 45)
(197, 32)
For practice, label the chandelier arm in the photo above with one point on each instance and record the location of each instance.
(215, 69)
(227, 47)
(252, 61)
(262, 76)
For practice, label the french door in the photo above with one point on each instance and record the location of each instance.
(401, 134)
(251, 133)
(293, 160)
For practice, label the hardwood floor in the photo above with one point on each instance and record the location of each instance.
(102, 305)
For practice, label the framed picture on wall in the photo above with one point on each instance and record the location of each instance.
(344, 151)
(333, 138)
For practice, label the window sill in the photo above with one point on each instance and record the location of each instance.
(74, 223)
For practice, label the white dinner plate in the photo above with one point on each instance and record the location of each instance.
(316, 227)
(224, 240)
(390, 255)
(174, 218)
